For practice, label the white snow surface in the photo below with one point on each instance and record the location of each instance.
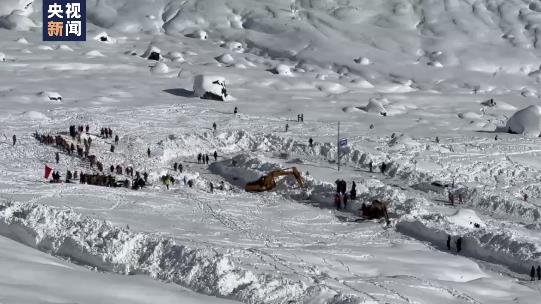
(429, 65)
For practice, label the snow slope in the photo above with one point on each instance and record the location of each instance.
(429, 66)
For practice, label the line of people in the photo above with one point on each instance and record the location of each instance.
(204, 158)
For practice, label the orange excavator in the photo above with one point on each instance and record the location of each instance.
(268, 182)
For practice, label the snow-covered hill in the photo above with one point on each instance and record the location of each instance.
(430, 88)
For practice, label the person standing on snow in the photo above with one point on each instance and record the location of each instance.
(214, 126)
(148, 152)
(235, 111)
(199, 156)
(175, 167)
(448, 242)
(116, 139)
(207, 158)
(180, 168)
(211, 187)
(14, 139)
(539, 272)
(532, 273)
(287, 127)
(459, 245)
(311, 142)
(215, 156)
(57, 157)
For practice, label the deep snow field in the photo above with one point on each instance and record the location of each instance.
(429, 65)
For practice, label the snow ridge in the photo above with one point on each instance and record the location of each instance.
(99, 244)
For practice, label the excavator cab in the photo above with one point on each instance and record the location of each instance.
(268, 182)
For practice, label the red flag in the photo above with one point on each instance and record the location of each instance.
(48, 171)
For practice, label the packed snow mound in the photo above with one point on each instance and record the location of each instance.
(282, 70)
(159, 68)
(210, 87)
(152, 53)
(104, 37)
(198, 34)
(526, 121)
(174, 56)
(225, 59)
(375, 106)
(94, 53)
(2, 57)
(233, 46)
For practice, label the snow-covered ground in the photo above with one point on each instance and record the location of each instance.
(431, 67)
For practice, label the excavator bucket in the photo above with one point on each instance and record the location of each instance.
(298, 176)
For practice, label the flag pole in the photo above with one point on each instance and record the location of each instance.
(338, 148)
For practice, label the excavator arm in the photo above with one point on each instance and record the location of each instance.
(268, 181)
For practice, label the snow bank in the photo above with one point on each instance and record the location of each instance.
(99, 244)
(526, 121)
(500, 246)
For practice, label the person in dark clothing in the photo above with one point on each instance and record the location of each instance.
(337, 200)
(145, 176)
(532, 273)
(57, 157)
(337, 183)
(69, 176)
(343, 188)
(287, 127)
(214, 126)
(112, 168)
(190, 183)
(235, 111)
(215, 156)
(148, 152)
(207, 158)
(448, 242)
(112, 148)
(539, 272)
(437, 140)
(302, 117)
(199, 156)
(383, 168)
(14, 139)
(311, 142)
(298, 117)
(180, 168)
(353, 192)
(345, 199)
(211, 187)
(371, 166)
(222, 185)
(116, 139)
(175, 167)
(459, 245)
(87, 128)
